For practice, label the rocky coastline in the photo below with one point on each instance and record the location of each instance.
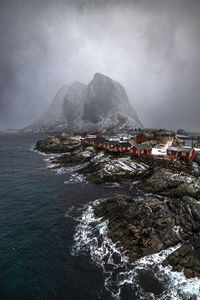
(169, 216)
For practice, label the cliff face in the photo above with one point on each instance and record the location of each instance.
(101, 105)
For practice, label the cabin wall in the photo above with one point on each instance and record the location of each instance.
(192, 154)
(149, 152)
(141, 138)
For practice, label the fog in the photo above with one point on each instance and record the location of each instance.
(152, 47)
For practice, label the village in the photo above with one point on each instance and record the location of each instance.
(142, 144)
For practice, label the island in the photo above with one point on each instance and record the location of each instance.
(159, 165)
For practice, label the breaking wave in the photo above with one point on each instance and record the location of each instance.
(91, 239)
(59, 170)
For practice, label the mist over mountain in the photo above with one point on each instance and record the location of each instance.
(101, 105)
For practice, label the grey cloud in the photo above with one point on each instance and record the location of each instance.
(150, 46)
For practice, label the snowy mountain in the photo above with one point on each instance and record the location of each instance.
(101, 105)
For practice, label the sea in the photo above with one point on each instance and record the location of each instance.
(53, 247)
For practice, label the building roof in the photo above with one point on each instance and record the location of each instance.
(180, 149)
(99, 139)
(125, 144)
(112, 142)
(89, 139)
(145, 134)
(143, 147)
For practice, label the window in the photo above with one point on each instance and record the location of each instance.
(142, 151)
(137, 151)
(183, 154)
(124, 148)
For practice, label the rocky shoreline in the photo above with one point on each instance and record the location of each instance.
(143, 227)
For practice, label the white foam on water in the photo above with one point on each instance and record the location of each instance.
(75, 178)
(37, 151)
(112, 185)
(91, 238)
(59, 170)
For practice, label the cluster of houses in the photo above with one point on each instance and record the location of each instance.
(135, 146)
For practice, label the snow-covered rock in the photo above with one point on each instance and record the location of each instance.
(168, 182)
(106, 168)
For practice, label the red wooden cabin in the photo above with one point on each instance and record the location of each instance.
(142, 137)
(124, 147)
(140, 150)
(112, 146)
(99, 141)
(177, 152)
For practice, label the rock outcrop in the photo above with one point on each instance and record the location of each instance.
(166, 182)
(54, 145)
(110, 168)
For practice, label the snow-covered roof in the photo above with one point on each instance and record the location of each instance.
(112, 142)
(99, 139)
(180, 149)
(125, 144)
(143, 147)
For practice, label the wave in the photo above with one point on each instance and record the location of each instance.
(91, 238)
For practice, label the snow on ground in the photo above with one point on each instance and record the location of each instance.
(159, 151)
(162, 151)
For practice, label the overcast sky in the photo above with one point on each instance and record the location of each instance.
(152, 47)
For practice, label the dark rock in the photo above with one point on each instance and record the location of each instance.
(141, 228)
(55, 145)
(129, 293)
(149, 282)
(76, 157)
(173, 182)
(186, 258)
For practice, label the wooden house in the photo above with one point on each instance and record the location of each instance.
(141, 149)
(99, 141)
(181, 152)
(88, 141)
(112, 146)
(124, 147)
(142, 137)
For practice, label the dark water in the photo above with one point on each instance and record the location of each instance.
(36, 236)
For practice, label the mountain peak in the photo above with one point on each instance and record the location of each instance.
(101, 105)
(101, 77)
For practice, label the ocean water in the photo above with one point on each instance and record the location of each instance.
(51, 245)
